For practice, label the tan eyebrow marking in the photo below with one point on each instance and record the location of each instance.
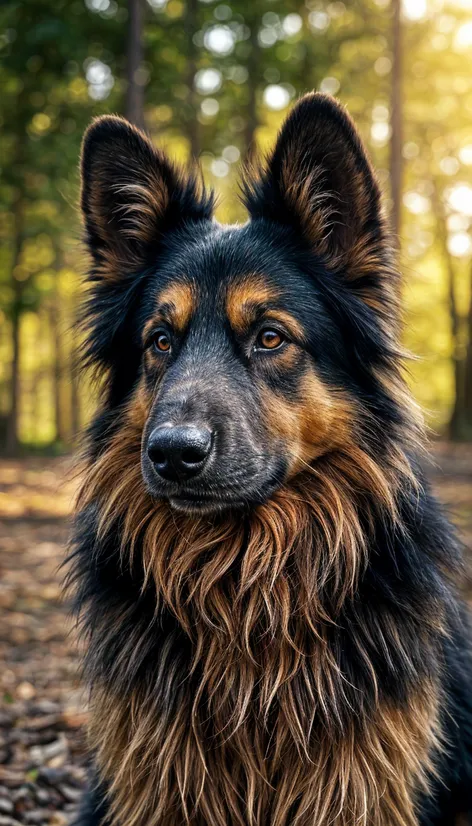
(244, 299)
(250, 295)
(175, 305)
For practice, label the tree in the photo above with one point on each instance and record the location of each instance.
(134, 107)
(396, 118)
(44, 108)
(215, 79)
(16, 309)
(467, 412)
(455, 419)
(191, 27)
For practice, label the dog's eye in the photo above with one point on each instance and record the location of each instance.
(161, 341)
(269, 339)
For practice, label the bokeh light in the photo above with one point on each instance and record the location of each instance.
(276, 97)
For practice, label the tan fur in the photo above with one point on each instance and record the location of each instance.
(320, 421)
(260, 755)
(243, 297)
(178, 302)
(369, 776)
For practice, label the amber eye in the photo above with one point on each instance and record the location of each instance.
(161, 342)
(270, 339)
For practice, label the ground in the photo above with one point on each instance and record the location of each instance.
(42, 747)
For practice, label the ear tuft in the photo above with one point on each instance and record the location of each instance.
(319, 180)
(132, 194)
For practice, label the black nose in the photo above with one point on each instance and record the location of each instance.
(180, 452)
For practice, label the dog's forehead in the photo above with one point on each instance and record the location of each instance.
(188, 294)
(223, 271)
(235, 275)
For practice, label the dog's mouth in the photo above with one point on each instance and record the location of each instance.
(206, 496)
(217, 501)
(193, 504)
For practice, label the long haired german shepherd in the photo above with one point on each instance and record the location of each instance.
(266, 583)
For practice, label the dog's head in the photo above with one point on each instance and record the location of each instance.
(243, 354)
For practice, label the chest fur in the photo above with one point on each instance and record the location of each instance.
(264, 673)
(260, 730)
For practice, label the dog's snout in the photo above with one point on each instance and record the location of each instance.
(179, 452)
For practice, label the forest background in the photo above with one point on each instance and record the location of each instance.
(211, 79)
(214, 80)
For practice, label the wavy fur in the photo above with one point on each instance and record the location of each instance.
(263, 601)
(299, 661)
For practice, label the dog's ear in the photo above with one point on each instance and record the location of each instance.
(318, 179)
(131, 195)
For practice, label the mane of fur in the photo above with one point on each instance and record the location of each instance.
(249, 690)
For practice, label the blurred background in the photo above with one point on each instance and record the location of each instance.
(214, 80)
(211, 79)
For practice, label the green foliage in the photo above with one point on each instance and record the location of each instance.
(218, 79)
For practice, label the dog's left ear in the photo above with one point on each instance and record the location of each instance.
(319, 180)
(132, 195)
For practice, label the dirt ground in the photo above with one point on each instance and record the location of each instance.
(42, 711)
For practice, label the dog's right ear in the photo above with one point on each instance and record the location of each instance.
(131, 195)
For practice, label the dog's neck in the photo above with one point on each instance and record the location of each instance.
(255, 587)
(252, 672)
(300, 553)
(262, 600)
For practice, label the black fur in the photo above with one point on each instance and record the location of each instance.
(411, 570)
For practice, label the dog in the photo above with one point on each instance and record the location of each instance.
(267, 587)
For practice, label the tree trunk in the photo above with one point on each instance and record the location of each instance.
(76, 417)
(396, 119)
(457, 415)
(192, 126)
(59, 412)
(33, 395)
(251, 110)
(73, 373)
(12, 440)
(456, 418)
(135, 88)
(467, 412)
